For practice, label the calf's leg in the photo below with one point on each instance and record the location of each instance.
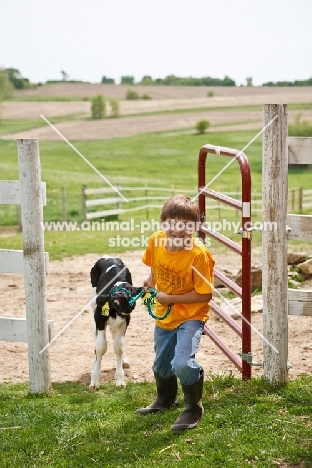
(120, 355)
(100, 350)
(124, 359)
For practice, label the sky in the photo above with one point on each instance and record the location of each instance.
(267, 40)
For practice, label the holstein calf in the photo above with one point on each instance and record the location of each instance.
(112, 286)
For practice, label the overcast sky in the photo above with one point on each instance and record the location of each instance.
(268, 40)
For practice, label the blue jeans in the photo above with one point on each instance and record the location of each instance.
(175, 351)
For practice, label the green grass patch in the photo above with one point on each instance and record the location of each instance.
(205, 109)
(246, 423)
(8, 126)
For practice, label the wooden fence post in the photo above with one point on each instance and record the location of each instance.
(118, 203)
(34, 265)
(146, 201)
(274, 244)
(64, 203)
(84, 200)
(300, 199)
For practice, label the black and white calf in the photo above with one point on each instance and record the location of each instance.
(112, 287)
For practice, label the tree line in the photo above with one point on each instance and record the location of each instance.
(11, 79)
(290, 83)
(172, 80)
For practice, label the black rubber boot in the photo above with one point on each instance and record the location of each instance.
(193, 408)
(166, 395)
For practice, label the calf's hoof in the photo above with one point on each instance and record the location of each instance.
(125, 365)
(94, 388)
(120, 384)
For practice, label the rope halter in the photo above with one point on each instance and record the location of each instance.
(149, 301)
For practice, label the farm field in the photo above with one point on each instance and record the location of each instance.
(229, 109)
(159, 147)
(130, 126)
(303, 94)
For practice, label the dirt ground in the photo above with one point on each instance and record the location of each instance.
(71, 355)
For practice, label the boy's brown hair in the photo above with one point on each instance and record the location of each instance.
(180, 207)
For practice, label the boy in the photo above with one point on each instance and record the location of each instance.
(176, 259)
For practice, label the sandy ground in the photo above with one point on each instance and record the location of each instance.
(71, 355)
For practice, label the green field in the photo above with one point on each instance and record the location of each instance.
(152, 160)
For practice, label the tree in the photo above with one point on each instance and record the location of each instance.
(98, 107)
(202, 126)
(65, 75)
(106, 80)
(6, 87)
(114, 103)
(14, 77)
(129, 80)
(147, 80)
(132, 95)
(249, 81)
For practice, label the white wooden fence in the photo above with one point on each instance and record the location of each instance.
(278, 300)
(111, 204)
(147, 197)
(32, 262)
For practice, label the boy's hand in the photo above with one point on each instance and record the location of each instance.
(149, 282)
(163, 298)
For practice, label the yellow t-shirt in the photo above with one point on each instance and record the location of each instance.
(174, 274)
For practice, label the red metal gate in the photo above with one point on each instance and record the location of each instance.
(244, 331)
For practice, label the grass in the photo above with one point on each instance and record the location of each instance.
(252, 107)
(246, 423)
(8, 126)
(300, 128)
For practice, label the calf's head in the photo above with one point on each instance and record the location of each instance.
(121, 298)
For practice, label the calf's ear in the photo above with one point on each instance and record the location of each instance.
(102, 299)
(95, 274)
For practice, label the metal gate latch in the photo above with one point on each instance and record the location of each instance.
(248, 358)
(247, 233)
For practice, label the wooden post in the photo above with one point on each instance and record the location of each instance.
(274, 244)
(300, 199)
(146, 201)
(118, 203)
(34, 265)
(64, 203)
(19, 217)
(84, 202)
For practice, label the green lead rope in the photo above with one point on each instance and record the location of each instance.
(149, 301)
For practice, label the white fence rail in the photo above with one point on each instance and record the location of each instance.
(103, 202)
(111, 204)
(151, 196)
